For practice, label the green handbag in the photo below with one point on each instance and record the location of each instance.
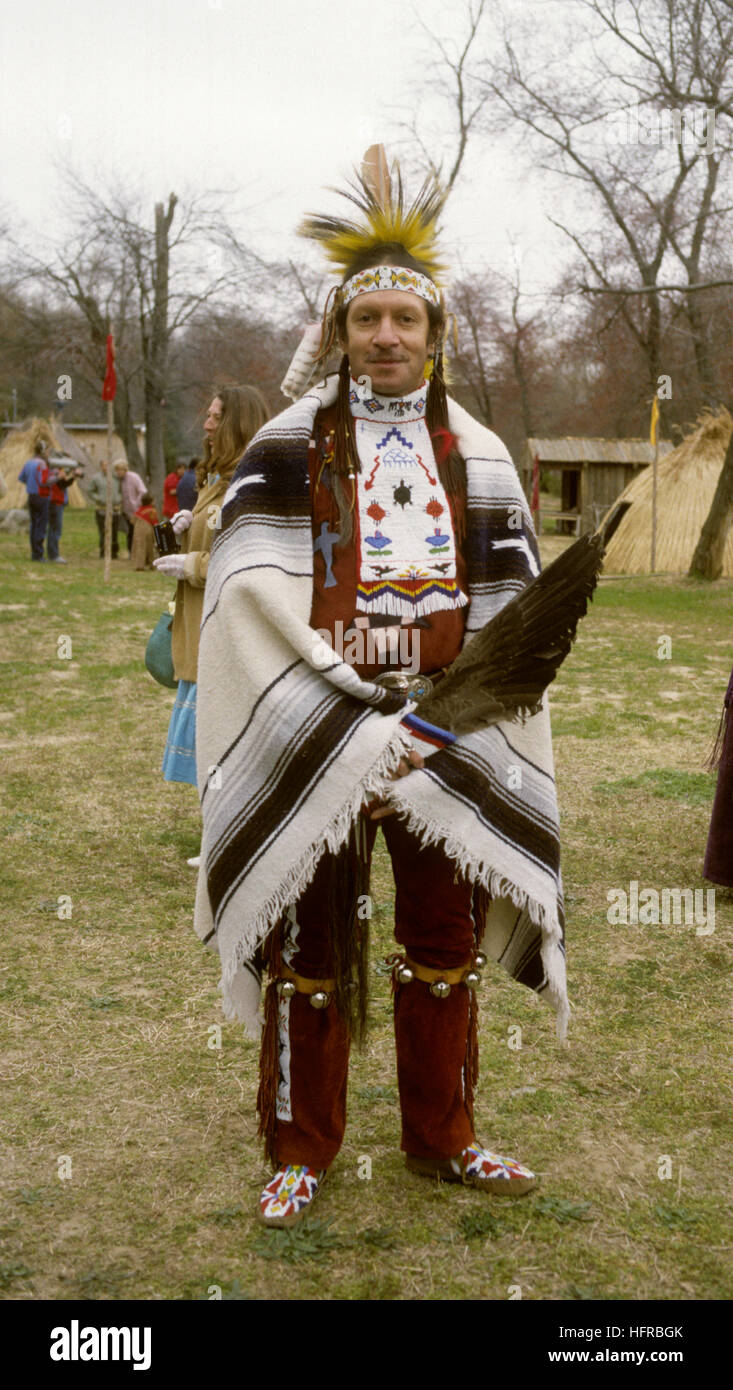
(159, 652)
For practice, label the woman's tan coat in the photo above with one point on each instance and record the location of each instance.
(196, 543)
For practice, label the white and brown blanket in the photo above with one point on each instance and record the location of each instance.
(288, 751)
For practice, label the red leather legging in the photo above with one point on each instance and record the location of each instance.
(434, 924)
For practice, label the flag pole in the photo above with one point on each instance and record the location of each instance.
(108, 394)
(535, 502)
(654, 438)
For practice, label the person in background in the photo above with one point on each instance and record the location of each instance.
(35, 477)
(170, 487)
(142, 554)
(98, 488)
(186, 490)
(235, 415)
(132, 488)
(718, 865)
(60, 480)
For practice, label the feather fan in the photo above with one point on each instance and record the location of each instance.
(503, 672)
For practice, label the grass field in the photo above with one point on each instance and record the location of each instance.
(130, 1167)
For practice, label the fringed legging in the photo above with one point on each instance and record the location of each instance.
(307, 1049)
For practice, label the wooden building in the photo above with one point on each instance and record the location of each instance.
(593, 473)
(93, 439)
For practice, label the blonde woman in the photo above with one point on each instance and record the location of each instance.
(234, 416)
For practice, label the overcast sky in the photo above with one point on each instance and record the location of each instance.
(269, 99)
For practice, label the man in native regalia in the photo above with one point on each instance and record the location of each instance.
(369, 530)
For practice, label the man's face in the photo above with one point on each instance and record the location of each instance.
(388, 339)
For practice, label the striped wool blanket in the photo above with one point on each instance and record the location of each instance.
(288, 751)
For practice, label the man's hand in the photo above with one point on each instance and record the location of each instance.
(377, 810)
(170, 565)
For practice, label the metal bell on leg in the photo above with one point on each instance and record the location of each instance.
(287, 989)
(440, 989)
(405, 975)
(320, 999)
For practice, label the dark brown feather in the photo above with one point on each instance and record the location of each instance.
(503, 672)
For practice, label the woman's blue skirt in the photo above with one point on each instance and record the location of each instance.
(179, 758)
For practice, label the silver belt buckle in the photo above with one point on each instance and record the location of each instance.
(414, 687)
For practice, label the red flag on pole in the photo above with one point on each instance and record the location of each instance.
(535, 503)
(110, 377)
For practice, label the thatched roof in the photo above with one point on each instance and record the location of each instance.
(21, 444)
(605, 451)
(686, 481)
(75, 451)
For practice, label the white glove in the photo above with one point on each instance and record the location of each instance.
(171, 565)
(181, 521)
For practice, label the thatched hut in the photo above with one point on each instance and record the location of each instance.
(686, 481)
(21, 444)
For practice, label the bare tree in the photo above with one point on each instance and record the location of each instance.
(496, 340)
(453, 77)
(659, 191)
(147, 281)
(654, 182)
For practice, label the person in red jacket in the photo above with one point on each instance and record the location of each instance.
(60, 480)
(143, 547)
(170, 500)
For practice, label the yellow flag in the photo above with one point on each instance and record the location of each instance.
(654, 421)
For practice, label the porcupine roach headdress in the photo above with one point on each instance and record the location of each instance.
(365, 252)
(387, 227)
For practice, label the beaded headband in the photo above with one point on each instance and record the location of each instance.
(390, 277)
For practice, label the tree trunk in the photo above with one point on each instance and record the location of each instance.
(156, 367)
(707, 562)
(521, 379)
(480, 385)
(154, 451)
(701, 347)
(125, 427)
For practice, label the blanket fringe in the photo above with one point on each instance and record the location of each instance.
(475, 870)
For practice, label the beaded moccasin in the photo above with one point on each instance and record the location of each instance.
(478, 1167)
(290, 1194)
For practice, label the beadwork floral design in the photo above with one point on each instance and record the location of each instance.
(291, 1190)
(483, 1164)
